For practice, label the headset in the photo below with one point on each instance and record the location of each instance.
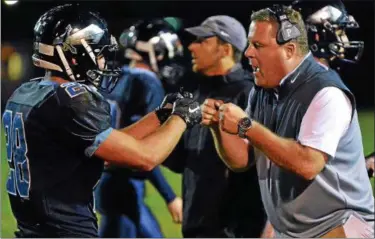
(287, 30)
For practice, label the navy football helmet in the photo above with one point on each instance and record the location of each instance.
(69, 41)
(328, 25)
(156, 43)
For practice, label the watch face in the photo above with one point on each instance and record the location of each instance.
(245, 122)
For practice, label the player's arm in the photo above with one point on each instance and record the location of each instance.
(152, 99)
(154, 119)
(161, 184)
(88, 122)
(150, 151)
(173, 202)
(123, 149)
(145, 126)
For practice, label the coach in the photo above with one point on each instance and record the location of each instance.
(301, 122)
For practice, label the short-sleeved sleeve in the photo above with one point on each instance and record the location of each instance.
(326, 120)
(86, 115)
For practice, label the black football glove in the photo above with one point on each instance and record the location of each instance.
(189, 110)
(163, 113)
(172, 97)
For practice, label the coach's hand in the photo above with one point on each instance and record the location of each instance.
(188, 110)
(229, 116)
(210, 111)
(175, 209)
(165, 108)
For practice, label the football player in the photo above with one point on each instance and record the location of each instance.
(58, 129)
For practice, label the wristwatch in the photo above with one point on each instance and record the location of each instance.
(243, 125)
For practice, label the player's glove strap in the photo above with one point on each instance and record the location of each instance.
(163, 114)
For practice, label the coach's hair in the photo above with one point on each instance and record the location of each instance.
(294, 17)
(237, 54)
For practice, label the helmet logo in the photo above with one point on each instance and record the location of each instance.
(69, 47)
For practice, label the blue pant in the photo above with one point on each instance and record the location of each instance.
(124, 212)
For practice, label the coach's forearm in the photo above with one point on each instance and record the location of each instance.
(233, 150)
(159, 144)
(145, 126)
(286, 153)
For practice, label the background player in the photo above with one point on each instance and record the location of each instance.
(152, 46)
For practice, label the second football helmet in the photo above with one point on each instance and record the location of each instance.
(156, 43)
(328, 24)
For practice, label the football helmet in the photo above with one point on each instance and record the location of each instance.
(328, 25)
(69, 41)
(156, 43)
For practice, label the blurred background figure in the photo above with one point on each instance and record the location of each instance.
(329, 26)
(155, 45)
(329, 29)
(217, 201)
(152, 46)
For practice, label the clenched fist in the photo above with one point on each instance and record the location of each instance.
(210, 111)
(170, 98)
(189, 110)
(165, 109)
(229, 116)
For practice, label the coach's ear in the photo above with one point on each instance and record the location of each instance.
(290, 49)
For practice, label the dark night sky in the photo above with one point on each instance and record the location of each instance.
(17, 24)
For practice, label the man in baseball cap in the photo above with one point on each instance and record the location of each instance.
(217, 202)
(217, 33)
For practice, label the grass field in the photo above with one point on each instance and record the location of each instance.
(153, 199)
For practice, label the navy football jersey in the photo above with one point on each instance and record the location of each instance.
(51, 134)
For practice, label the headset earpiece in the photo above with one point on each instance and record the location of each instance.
(287, 30)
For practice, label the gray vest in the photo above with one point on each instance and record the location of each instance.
(302, 208)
